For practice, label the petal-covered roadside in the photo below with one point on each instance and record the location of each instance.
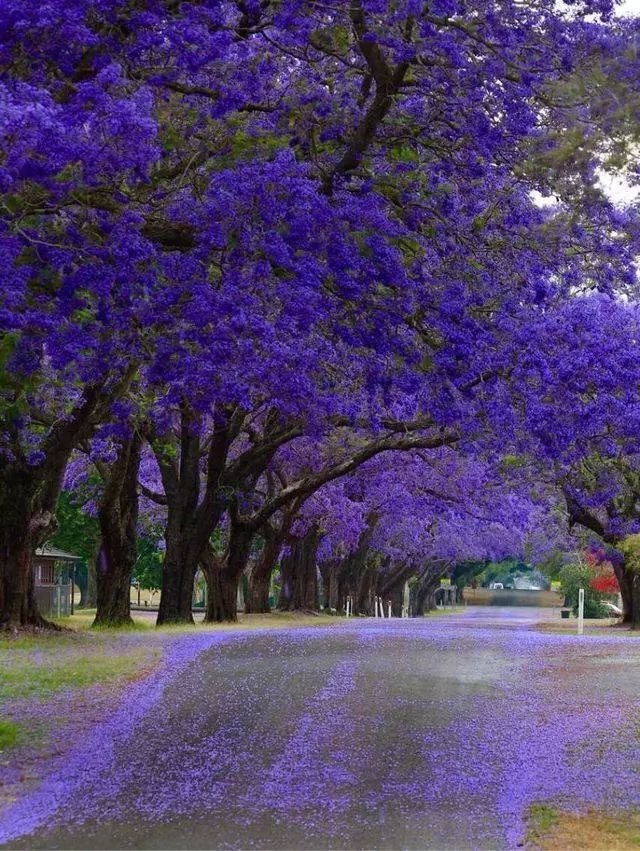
(436, 733)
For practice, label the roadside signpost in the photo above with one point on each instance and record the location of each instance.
(580, 611)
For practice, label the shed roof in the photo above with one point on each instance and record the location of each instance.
(49, 552)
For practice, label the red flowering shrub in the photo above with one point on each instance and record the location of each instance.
(605, 581)
(603, 578)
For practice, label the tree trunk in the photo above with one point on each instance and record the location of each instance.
(630, 601)
(17, 598)
(634, 613)
(299, 589)
(92, 584)
(82, 581)
(330, 571)
(115, 567)
(223, 574)
(421, 595)
(26, 521)
(178, 575)
(193, 513)
(118, 516)
(257, 601)
(29, 494)
(222, 595)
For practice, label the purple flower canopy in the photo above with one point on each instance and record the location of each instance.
(282, 232)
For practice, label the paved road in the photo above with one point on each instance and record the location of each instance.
(435, 733)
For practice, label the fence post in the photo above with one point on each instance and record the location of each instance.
(580, 611)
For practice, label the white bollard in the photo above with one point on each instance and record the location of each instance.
(389, 609)
(375, 607)
(580, 611)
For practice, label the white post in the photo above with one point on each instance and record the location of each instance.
(389, 609)
(580, 611)
(375, 607)
(381, 607)
(349, 607)
(405, 600)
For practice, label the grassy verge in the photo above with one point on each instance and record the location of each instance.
(552, 830)
(593, 626)
(9, 734)
(438, 613)
(40, 667)
(145, 621)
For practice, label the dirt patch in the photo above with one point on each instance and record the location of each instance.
(591, 831)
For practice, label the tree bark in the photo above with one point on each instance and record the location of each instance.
(257, 601)
(299, 589)
(190, 519)
(391, 588)
(629, 583)
(222, 596)
(351, 576)
(195, 507)
(634, 615)
(91, 600)
(330, 571)
(223, 574)
(422, 592)
(29, 494)
(27, 519)
(18, 540)
(118, 516)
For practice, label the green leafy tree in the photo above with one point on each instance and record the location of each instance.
(578, 575)
(148, 566)
(78, 533)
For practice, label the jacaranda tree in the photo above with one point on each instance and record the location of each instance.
(230, 225)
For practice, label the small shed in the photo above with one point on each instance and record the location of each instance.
(54, 580)
(446, 593)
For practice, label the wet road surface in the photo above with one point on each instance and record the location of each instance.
(431, 733)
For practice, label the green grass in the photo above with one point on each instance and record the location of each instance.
(42, 667)
(540, 819)
(82, 621)
(36, 666)
(594, 830)
(9, 734)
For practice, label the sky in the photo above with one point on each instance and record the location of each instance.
(629, 7)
